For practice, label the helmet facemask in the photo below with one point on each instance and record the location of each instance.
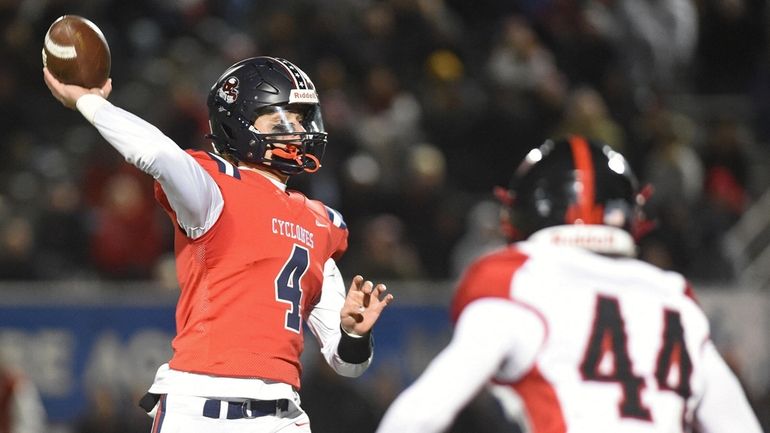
(293, 140)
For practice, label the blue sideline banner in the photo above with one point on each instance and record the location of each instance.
(72, 347)
(67, 349)
(71, 350)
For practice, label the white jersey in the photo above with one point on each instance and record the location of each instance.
(622, 342)
(572, 341)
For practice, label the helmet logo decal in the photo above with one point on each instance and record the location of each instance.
(229, 90)
(302, 96)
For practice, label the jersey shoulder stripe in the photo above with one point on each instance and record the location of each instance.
(224, 166)
(335, 217)
(488, 277)
(690, 292)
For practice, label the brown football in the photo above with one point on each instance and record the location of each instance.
(76, 52)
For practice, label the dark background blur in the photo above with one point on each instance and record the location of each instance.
(428, 105)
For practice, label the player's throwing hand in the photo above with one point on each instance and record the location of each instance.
(363, 306)
(68, 94)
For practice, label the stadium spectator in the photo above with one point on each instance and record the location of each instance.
(21, 408)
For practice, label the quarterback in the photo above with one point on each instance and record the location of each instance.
(255, 261)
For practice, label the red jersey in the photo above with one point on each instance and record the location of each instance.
(250, 281)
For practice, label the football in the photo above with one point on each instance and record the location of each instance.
(76, 52)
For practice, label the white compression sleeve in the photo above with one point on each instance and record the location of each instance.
(324, 322)
(192, 193)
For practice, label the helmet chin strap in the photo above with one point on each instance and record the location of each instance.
(317, 164)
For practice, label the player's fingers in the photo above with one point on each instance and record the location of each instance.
(355, 294)
(104, 90)
(53, 84)
(56, 87)
(367, 287)
(370, 291)
(379, 289)
(49, 80)
(377, 292)
(359, 285)
(107, 88)
(47, 75)
(356, 284)
(379, 306)
(354, 302)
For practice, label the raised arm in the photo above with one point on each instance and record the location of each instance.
(192, 193)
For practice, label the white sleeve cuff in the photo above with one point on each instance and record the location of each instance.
(88, 104)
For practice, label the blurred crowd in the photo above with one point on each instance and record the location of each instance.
(428, 103)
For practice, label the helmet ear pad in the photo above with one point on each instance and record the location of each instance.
(244, 91)
(222, 134)
(573, 181)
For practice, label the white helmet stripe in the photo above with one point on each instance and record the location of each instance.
(301, 80)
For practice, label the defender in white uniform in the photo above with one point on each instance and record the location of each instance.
(569, 331)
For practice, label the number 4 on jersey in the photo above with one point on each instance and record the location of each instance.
(288, 287)
(608, 339)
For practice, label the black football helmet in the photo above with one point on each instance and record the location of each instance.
(571, 181)
(263, 85)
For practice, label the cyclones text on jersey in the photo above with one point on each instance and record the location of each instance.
(293, 231)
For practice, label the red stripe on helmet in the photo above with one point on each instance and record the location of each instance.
(585, 210)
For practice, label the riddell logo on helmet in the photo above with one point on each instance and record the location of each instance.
(305, 96)
(587, 240)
